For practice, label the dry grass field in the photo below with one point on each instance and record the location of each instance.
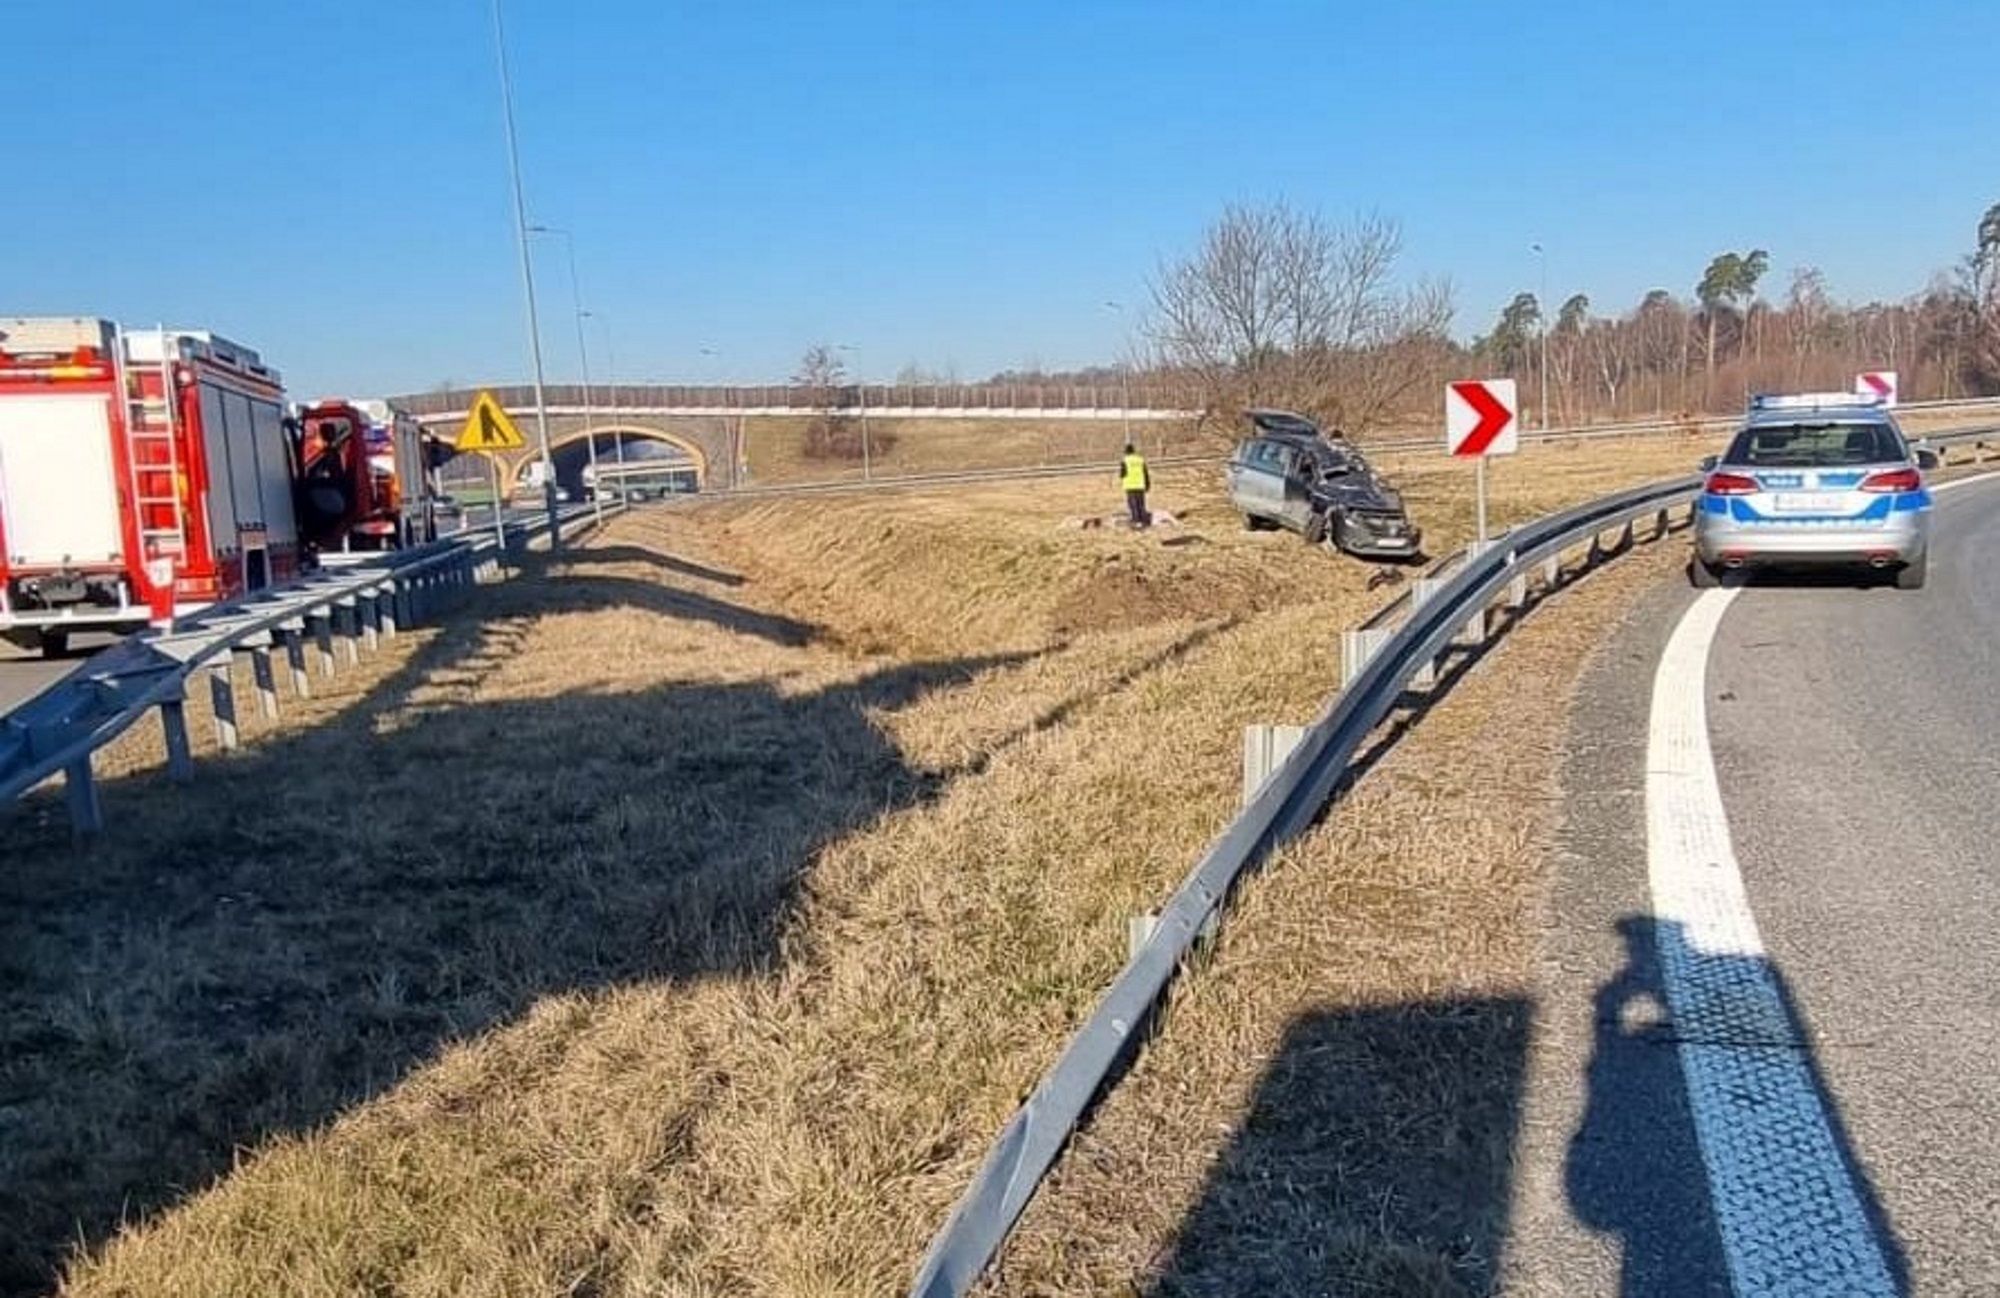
(687, 922)
(774, 446)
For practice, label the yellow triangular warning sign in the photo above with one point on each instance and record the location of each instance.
(487, 428)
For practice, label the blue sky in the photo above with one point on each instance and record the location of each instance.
(953, 184)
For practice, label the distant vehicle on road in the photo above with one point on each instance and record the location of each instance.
(1291, 474)
(1815, 480)
(642, 480)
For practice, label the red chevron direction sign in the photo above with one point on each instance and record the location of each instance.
(1479, 418)
(1879, 384)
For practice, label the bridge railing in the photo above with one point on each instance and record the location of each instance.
(851, 398)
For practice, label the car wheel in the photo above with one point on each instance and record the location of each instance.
(1911, 575)
(1316, 529)
(1252, 523)
(1701, 576)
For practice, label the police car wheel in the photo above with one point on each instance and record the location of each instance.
(1701, 576)
(1911, 575)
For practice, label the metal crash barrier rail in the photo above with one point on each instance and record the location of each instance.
(329, 616)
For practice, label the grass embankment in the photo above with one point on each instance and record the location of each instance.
(686, 926)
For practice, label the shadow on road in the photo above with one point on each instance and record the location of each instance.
(1376, 1159)
(1635, 1168)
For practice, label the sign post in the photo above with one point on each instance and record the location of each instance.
(488, 430)
(1479, 420)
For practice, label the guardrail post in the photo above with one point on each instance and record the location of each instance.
(389, 607)
(86, 813)
(293, 635)
(223, 692)
(267, 685)
(1265, 749)
(1421, 590)
(346, 616)
(1138, 928)
(368, 613)
(1552, 570)
(1357, 646)
(1517, 587)
(321, 620)
(174, 730)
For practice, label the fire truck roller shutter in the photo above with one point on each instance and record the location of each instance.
(245, 473)
(277, 474)
(215, 449)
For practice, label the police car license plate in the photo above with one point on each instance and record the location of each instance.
(1809, 502)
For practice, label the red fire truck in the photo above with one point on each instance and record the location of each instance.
(141, 474)
(362, 478)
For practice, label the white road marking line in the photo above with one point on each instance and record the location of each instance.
(1964, 482)
(1790, 1217)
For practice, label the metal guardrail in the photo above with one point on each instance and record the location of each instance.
(1379, 672)
(352, 604)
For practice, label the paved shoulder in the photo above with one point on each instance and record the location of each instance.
(1611, 1194)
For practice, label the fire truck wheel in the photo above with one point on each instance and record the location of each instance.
(55, 644)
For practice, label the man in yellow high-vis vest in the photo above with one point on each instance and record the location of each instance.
(1135, 478)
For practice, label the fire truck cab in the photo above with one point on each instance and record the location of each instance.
(363, 481)
(141, 474)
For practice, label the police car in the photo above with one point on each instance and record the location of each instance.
(1815, 480)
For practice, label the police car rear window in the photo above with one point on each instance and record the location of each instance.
(1812, 446)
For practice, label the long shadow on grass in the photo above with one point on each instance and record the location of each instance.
(316, 916)
(1376, 1159)
(600, 555)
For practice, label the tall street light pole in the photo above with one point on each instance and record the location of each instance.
(1542, 319)
(583, 355)
(611, 382)
(527, 282)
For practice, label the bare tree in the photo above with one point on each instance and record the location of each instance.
(1612, 346)
(1808, 312)
(830, 434)
(1275, 306)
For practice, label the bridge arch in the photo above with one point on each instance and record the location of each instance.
(640, 442)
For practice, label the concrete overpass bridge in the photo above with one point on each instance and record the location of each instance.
(701, 428)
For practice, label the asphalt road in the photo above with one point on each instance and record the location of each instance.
(1854, 737)
(1851, 733)
(24, 675)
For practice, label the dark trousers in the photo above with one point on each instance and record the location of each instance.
(1135, 505)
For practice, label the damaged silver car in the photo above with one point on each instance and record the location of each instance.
(1292, 474)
